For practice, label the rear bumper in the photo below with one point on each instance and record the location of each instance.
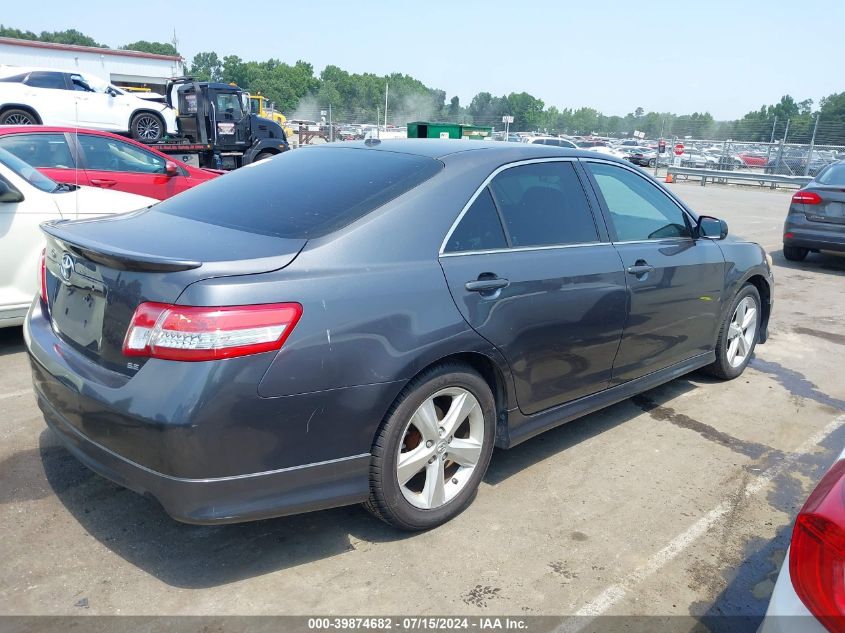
(198, 437)
(224, 499)
(813, 235)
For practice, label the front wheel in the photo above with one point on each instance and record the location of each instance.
(146, 127)
(433, 448)
(263, 156)
(652, 162)
(738, 335)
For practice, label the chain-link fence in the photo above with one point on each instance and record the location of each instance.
(798, 147)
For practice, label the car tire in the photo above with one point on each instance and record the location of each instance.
(795, 253)
(263, 156)
(652, 163)
(16, 116)
(146, 127)
(419, 426)
(737, 340)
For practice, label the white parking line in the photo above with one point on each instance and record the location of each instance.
(613, 594)
(15, 394)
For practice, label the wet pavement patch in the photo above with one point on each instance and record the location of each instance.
(796, 383)
(754, 450)
(839, 339)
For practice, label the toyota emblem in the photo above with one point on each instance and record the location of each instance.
(67, 266)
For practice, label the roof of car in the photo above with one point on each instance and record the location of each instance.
(440, 148)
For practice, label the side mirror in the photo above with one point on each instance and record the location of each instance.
(171, 169)
(711, 227)
(8, 193)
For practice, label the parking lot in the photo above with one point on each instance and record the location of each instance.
(676, 502)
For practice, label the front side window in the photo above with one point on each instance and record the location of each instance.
(638, 209)
(480, 228)
(229, 106)
(544, 204)
(42, 79)
(40, 150)
(107, 154)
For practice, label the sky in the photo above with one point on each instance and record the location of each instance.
(720, 56)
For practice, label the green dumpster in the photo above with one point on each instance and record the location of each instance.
(429, 129)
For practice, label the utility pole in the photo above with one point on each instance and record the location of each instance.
(331, 127)
(812, 145)
(378, 121)
(386, 88)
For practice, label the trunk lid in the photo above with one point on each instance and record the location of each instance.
(832, 207)
(100, 270)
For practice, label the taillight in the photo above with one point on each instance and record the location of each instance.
(806, 197)
(43, 275)
(173, 332)
(817, 551)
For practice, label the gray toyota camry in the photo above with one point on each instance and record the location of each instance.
(363, 323)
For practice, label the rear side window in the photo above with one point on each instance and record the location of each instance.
(303, 193)
(544, 204)
(833, 175)
(41, 79)
(40, 150)
(480, 228)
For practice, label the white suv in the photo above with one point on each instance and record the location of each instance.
(30, 96)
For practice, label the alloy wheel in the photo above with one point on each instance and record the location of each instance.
(19, 119)
(148, 127)
(742, 332)
(440, 448)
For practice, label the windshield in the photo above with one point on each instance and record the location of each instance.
(833, 175)
(27, 172)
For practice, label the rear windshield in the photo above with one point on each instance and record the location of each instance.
(303, 193)
(833, 175)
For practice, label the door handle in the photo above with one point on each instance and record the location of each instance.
(639, 269)
(486, 285)
(103, 182)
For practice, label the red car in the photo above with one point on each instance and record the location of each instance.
(753, 160)
(101, 159)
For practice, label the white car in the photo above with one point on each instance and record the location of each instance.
(809, 595)
(28, 198)
(551, 140)
(29, 96)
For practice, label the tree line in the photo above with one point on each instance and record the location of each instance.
(360, 98)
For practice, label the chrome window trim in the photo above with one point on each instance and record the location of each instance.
(518, 249)
(484, 184)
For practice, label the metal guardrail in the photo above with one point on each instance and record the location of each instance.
(719, 175)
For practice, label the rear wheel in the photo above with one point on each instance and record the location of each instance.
(795, 253)
(432, 450)
(263, 156)
(16, 116)
(738, 335)
(146, 127)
